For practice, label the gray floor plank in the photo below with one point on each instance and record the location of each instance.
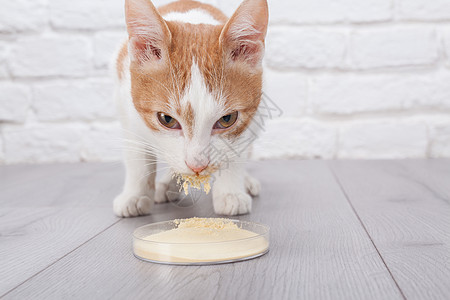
(318, 251)
(33, 238)
(405, 207)
(88, 184)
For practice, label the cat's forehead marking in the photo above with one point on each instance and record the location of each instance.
(200, 107)
(188, 116)
(193, 16)
(183, 11)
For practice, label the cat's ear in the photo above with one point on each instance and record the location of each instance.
(149, 35)
(242, 37)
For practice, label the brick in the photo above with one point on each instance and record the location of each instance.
(287, 90)
(349, 94)
(303, 48)
(43, 143)
(378, 48)
(15, 100)
(22, 15)
(102, 143)
(446, 42)
(440, 140)
(74, 101)
(3, 70)
(50, 56)
(424, 10)
(87, 14)
(106, 44)
(292, 138)
(383, 139)
(2, 154)
(329, 11)
(4, 52)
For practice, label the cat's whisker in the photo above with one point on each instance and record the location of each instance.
(153, 164)
(145, 155)
(146, 175)
(140, 151)
(140, 145)
(138, 159)
(142, 148)
(133, 133)
(144, 145)
(141, 142)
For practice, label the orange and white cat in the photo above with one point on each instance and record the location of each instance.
(188, 86)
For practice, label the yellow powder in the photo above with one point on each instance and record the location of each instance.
(210, 223)
(201, 240)
(195, 181)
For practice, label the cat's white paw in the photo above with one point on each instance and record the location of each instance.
(161, 192)
(252, 185)
(132, 206)
(232, 204)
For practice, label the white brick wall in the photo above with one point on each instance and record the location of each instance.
(42, 56)
(424, 10)
(15, 100)
(23, 16)
(73, 101)
(52, 142)
(354, 78)
(330, 11)
(383, 139)
(393, 47)
(295, 48)
(440, 145)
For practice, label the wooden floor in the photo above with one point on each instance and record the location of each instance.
(339, 230)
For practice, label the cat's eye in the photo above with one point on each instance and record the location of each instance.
(168, 121)
(226, 121)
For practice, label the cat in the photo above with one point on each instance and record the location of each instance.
(188, 86)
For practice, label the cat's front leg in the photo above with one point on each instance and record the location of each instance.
(230, 196)
(162, 187)
(252, 185)
(137, 197)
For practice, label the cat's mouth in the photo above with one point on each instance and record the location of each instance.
(208, 171)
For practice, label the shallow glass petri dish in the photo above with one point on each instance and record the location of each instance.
(204, 253)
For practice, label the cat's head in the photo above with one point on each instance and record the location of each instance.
(197, 86)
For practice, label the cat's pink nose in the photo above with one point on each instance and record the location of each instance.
(197, 168)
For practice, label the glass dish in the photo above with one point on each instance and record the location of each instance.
(204, 253)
